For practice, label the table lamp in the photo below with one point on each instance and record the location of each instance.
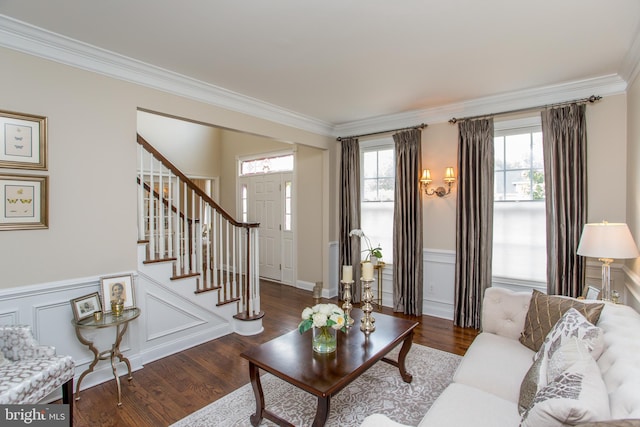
(607, 241)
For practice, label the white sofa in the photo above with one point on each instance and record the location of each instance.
(486, 386)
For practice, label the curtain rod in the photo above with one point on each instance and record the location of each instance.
(591, 99)
(420, 126)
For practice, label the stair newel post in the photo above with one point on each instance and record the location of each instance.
(247, 299)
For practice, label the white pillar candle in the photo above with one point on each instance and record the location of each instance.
(347, 273)
(367, 271)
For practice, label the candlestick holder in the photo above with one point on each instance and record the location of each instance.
(347, 306)
(367, 323)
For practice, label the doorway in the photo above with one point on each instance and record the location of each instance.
(268, 199)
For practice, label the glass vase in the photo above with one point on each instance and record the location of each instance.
(324, 339)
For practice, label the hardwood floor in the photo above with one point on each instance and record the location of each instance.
(171, 388)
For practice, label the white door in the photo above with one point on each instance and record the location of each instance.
(264, 197)
(269, 201)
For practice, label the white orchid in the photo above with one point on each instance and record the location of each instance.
(371, 251)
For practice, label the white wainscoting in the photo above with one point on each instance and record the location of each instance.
(439, 278)
(169, 322)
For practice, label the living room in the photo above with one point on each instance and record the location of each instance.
(92, 113)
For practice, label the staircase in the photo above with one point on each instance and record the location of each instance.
(180, 225)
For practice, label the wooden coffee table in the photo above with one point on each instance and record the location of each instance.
(291, 358)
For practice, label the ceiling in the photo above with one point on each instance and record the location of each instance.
(340, 62)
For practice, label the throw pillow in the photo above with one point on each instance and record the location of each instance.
(544, 311)
(533, 381)
(578, 394)
(572, 324)
(549, 364)
(3, 361)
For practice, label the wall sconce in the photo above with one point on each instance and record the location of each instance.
(449, 179)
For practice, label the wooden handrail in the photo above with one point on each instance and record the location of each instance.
(192, 186)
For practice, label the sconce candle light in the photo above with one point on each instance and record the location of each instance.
(449, 179)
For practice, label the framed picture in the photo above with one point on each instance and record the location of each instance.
(591, 292)
(23, 141)
(24, 202)
(115, 288)
(85, 306)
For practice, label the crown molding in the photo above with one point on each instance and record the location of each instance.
(608, 85)
(26, 38)
(631, 64)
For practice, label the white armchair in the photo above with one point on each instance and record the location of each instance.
(31, 371)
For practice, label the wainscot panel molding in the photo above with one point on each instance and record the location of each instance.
(47, 309)
(439, 281)
(631, 288)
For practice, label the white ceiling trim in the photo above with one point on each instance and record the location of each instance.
(631, 63)
(602, 86)
(23, 37)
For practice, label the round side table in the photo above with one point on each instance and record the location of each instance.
(121, 323)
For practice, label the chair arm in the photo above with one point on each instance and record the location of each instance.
(17, 343)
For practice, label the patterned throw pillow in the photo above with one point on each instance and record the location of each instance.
(3, 361)
(544, 311)
(578, 394)
(571, 326)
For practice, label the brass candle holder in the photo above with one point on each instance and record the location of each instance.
(367, 323)
(347, 306)
(117, 307)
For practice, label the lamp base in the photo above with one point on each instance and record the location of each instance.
(605, 294)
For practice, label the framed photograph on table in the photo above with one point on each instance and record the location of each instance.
(116, 288)
(23, 141)
(23, 202)
(591, 292)
(85, 306)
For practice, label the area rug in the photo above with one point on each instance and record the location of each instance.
(378, 390)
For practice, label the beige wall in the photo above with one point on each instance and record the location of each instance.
(191, 147)
(92, 166)
(633, 174)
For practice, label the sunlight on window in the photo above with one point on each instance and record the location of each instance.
(267, 165)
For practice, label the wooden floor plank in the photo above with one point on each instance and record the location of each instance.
(173, 387)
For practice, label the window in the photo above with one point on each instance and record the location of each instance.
(519, 218)
(377, 160)
(245, 208)
(267, 165)
(287, 206)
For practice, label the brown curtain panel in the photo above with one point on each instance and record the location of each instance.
(474, 220)
(564, 132)
(350, 211)
(407, 224)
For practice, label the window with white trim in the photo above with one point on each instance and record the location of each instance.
(519, 217)
(263, 165)
(377, 169)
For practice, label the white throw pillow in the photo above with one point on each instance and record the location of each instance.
(577, 394)
(3, 361)
(572, 324)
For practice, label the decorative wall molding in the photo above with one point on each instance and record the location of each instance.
(26, 38)
(438, 281)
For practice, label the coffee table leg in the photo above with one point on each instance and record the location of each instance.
(254, 375)
(322, 413)
(406, 346)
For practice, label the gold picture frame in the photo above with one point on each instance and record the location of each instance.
(23, 141)
(84, 307)
(24, 201)
(124, 285)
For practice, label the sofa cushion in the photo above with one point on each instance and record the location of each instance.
(462, 405)
(504, 311)
(544, 311)
(496, 365)
(577, 394)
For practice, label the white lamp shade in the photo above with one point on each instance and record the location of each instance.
(607, 240)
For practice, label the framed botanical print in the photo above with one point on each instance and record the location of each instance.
(23, 141)
(23, 202)
(116, 288)
(86, 306)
